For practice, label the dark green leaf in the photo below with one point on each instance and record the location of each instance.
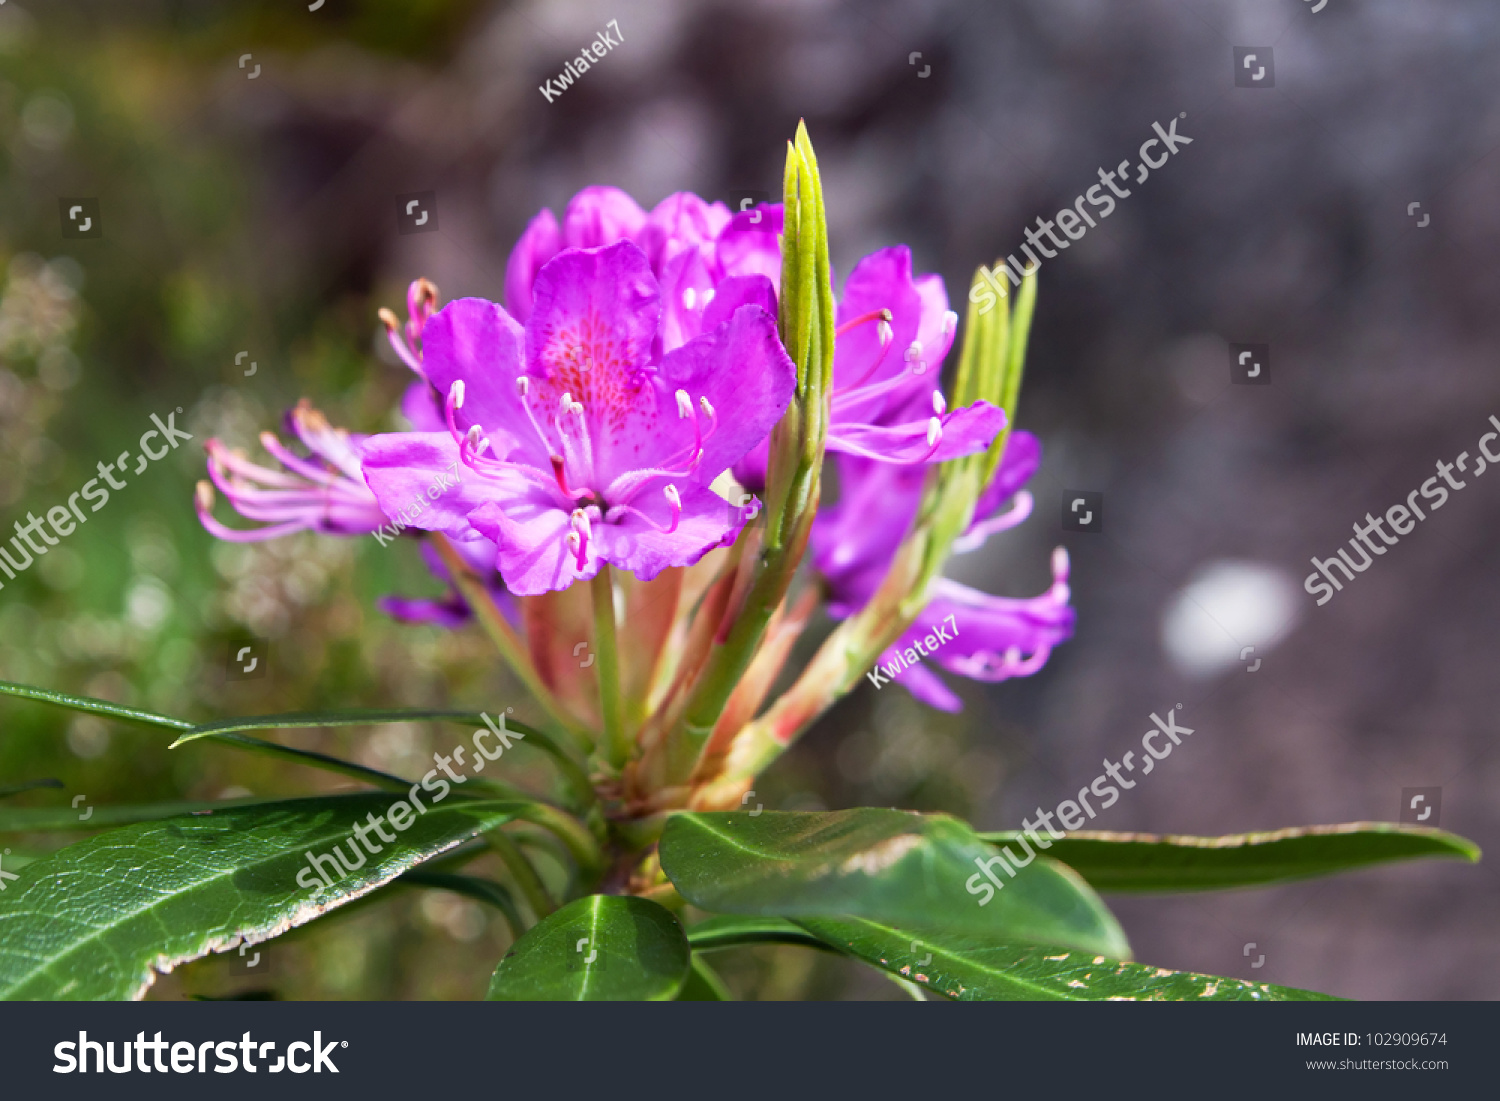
(29, 785)
(1153, 862)
(239, 741)
(893, 866)
(28, 819)
(703, 984)
(99, 919)
(470, 886)
(974, 969)
(603, 948)
(735, 930)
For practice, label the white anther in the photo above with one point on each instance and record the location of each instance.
(669, 491)
(567, 405)
(690, 298)
(475, 432)
(708, 296)
(939, 406)
(934, 431)
(950, 323)
(914, 351)
(456, 392)
(684, 404)
(523, 385)
(580, 521)
(708, 410)
(574, 541)
(885, 332)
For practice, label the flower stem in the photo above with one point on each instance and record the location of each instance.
(504, 637)
(602, 588)
(581, 844)
(528, 882)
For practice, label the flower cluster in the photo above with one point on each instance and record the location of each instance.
(608, 414)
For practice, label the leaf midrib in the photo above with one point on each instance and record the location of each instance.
(75, 946)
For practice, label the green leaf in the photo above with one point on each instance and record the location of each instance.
(736, 930)
(29, 785)
(1152, 862)
(256, 745)
(35, 819)
(975, 969)
(99, 919)
(703, 984)
(475, 887)
(908, 869)
(603, 948)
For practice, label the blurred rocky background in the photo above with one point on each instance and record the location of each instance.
(257, 214)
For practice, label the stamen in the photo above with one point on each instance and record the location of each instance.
(934, 431)
(708, 410)
(939, 406)
(523, 385)
(456, 393)
(578, 538)
(684, 404)
(674, 500)
(881, 315)
(690, 298)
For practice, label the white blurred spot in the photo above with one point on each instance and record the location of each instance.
(1228, 606)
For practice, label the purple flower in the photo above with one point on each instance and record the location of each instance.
(893, 333)
(574, 441)
(962, 630)
(694, 247)
(326, 493)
